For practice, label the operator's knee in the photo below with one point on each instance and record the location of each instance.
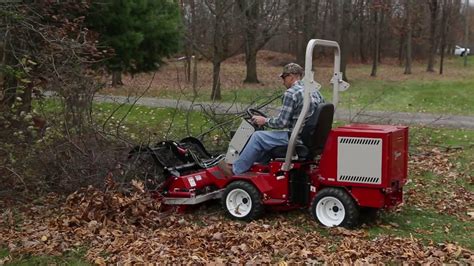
(257, 135)
(256, 140)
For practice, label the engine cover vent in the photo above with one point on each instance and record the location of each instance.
(359, 179)
(359, 160)
(362, 141)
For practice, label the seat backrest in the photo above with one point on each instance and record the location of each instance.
(317, 128)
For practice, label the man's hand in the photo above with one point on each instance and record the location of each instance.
(258, 120)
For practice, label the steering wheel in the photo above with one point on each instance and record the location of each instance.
(251, 112)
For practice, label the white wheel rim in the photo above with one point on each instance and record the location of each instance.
(238, 203)
(330, 211)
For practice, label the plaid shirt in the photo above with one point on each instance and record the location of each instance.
(292, 105)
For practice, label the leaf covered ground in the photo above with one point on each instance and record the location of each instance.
(110, 227)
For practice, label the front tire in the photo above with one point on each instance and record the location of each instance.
(242, 201)
(335, 207)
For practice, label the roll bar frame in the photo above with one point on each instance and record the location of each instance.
(310, 85)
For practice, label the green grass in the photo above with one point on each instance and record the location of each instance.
(425, 224)
(3, 253)
(443, 138)
(139, 119)
(73, 258)
(439, 97)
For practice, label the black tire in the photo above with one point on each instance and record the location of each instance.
(243, 194)
(343, 210)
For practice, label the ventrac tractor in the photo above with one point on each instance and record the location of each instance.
(334, 172)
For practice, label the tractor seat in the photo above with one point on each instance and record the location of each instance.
(280, 152)
(313, 135)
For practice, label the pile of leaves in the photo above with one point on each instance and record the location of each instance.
(443, 192)
(113, 227)
(134, 228)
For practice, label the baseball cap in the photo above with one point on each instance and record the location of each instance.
(292, 68)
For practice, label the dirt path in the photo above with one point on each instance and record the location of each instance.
(378, 117)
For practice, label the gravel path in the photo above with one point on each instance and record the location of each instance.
(377, 117)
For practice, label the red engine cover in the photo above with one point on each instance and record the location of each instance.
(366, 156)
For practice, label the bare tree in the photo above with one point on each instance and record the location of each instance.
(434, 7)
(466, 30)
(261, 20)
(345, 35)
(307, 29)
(218, 37)
(376, 6)
(408, 58)
(361, 6)
(444, 29)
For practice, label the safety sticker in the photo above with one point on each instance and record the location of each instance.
(191, 181)
(280, 177)
(198, 177)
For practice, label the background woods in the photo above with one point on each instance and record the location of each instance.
(139, 34)
(365, 29)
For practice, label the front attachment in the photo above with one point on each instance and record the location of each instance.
(143, 165)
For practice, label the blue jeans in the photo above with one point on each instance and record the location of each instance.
(257, 148)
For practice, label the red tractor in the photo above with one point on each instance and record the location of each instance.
(335, 172)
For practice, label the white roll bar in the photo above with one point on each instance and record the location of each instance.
(310, 85)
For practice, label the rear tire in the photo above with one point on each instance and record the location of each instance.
(242, 201)
(335, 207)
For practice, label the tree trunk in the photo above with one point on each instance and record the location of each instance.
(363, 57)
(251, 65)
(433, 5)
(408, 40)
(116, 78)
(216, 83)
(251, 14)
(324, 27)
(444, 32)
(188, 51)
(466, 31)
(301, 28)
(193, 59)
(218, 50)
(376, 39)
(292, 26)
(401, 41)
(345, 40)
(194, 80)
(382, 19)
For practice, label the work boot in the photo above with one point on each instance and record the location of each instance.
(225, 168)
